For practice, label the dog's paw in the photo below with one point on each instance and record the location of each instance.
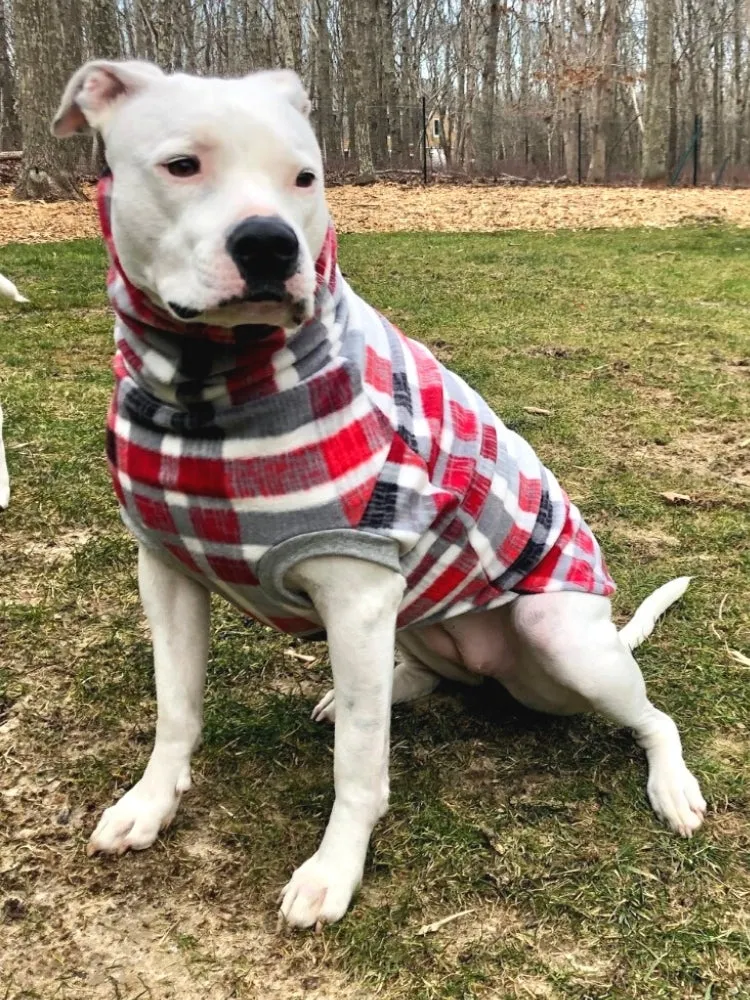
(318, 893)
(676, 799)
(134, 823)
(325, 710)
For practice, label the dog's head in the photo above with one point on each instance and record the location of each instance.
(218, 209)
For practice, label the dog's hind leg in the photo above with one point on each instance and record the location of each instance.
(178, 613)
(411, 680)
(573, 656)
(418, 672)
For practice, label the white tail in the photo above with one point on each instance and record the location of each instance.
(641, 625)
(8, 289)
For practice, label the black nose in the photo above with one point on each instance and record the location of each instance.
(264, 248)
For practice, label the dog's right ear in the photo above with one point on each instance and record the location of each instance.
(95, 90)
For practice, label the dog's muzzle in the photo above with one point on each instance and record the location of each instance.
(265, 250)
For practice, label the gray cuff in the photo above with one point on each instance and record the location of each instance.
(283, 557)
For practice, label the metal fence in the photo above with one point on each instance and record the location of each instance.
(423, 145)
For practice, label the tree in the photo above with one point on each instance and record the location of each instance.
(10, 126)
(104, 42)
(486, 131)
(361, 23)
(659, 49)
(48, 50)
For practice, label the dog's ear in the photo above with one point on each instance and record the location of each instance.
(94, 90)
(290, 86)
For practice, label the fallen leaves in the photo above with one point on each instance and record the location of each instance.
(676, 499)
(436, 208)
(706, 502)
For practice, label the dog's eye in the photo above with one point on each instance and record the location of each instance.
(305, 179)
(183, 166)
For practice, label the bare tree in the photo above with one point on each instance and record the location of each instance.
(504, 82)
(486, 136)
(659, 15)
(361, 25)
(48, 49)
(10, 126)
(603, 113)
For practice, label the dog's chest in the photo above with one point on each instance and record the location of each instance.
(382, 453)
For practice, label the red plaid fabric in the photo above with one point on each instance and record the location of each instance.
(235, 453)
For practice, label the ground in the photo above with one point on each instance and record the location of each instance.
(441, 208)
(624, 357)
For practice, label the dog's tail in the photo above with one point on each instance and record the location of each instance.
(641, 625)
(9, 290)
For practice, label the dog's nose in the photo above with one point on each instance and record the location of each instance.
(264, 248)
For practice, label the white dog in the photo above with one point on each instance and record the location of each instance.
(9, 290)
(4, 474)
(275, 440)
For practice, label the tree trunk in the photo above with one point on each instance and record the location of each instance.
(739, 96)
(47, 54)
(604, 104)
(326, 131)
(486, 137)
(10, 126)
(390, 90)
(104, 43)
(659, 17)
(359, 16)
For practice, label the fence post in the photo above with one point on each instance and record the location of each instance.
(697, 149)
(580, 147)
(424, 139)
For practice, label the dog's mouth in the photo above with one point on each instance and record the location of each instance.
(184, 312)
(266, 294)
(266, 301)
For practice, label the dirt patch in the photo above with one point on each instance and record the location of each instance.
(478, 930)
(85, 948)
(393, 208)
(730, 749)
(59, 550)
(78, 929)
(652, 540)
(706, 453)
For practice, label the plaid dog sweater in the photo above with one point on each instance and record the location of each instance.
(238, 452)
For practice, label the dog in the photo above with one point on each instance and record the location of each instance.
(9, 290)
(274, 439)
(4, 474)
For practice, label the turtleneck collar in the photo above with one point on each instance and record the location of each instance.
(193, 363)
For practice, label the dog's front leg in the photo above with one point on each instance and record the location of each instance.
(358, 604)
(178, 610)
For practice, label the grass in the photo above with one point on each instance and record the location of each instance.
(637, 343)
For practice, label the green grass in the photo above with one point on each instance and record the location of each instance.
(637, 343)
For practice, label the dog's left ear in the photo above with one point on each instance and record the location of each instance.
(289, 84)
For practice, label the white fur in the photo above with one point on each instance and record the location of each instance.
(641, 625)
(4, 474)
(252, 138)
(9, 290)
(554, 652)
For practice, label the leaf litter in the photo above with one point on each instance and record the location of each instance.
(437, 208)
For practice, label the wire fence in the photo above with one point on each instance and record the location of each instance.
(419, 144)
(414, 143)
